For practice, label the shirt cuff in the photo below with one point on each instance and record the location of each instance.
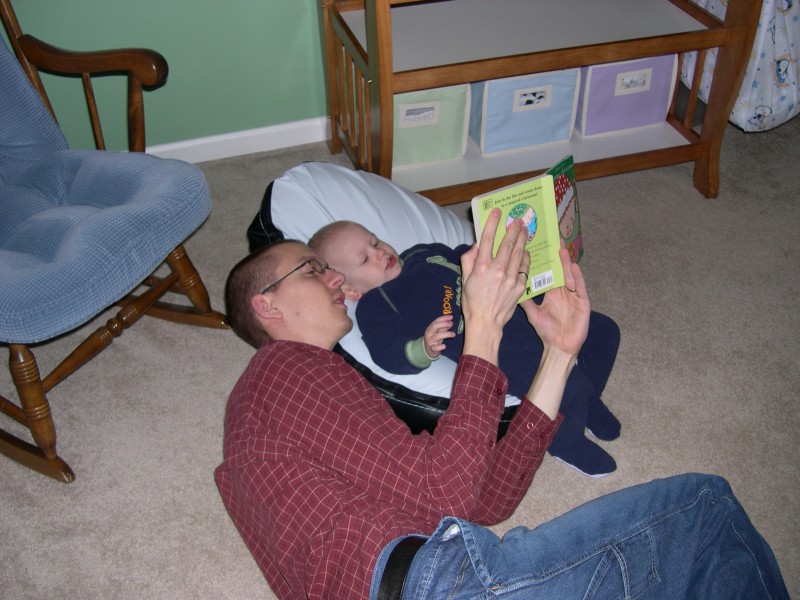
(416, 355)
(534, 423)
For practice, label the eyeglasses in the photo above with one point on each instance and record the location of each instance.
(315, 265)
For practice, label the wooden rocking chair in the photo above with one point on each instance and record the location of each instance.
(83, 230)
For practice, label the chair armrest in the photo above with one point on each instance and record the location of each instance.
(140, 66)
(147, 66)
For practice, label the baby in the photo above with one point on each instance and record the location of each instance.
(409, 313)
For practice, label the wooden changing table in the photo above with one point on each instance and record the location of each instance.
(377, 48)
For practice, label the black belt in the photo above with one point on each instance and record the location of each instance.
(394, 573)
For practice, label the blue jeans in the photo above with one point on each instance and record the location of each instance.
(682, 537)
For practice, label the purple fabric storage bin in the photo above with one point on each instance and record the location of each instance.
(624, 95)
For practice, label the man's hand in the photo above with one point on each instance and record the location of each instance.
(562, 322)
(492, 286)
(562, 319)
(439, 330)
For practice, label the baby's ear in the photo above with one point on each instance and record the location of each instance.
(350, 292)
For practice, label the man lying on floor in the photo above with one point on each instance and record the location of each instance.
(335, 498)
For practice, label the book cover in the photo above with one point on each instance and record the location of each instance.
(569, 214)
(534, 202)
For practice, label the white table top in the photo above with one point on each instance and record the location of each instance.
(442, 33)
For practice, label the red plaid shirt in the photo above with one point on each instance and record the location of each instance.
(319, 475)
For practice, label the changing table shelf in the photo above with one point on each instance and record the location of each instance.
(378, 48)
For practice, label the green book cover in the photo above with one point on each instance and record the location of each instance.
(534, 202)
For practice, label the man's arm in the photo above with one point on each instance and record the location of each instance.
(492, 286)
(562, 322)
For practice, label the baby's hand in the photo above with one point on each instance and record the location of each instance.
(438, 331)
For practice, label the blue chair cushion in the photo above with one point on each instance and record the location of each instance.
(27, 130)
(80, 229)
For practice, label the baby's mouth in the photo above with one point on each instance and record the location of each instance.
(390, 262)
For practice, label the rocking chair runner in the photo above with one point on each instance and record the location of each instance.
(82, 230)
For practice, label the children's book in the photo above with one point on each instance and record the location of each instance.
(540, 202)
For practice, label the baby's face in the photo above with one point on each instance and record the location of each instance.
(364, 260)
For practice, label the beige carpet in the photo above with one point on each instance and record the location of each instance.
(707, 380)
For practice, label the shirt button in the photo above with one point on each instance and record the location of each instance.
(529, 426)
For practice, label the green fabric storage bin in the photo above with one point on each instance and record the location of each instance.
(431, 125)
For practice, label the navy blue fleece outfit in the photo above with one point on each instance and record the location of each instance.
(392, 316)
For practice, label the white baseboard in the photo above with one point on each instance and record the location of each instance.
(245, 142)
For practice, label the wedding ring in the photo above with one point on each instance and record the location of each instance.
(571, 290)
(524, 274)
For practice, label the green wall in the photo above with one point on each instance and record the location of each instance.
(234, 65)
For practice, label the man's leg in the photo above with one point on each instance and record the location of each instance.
(682, 537)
